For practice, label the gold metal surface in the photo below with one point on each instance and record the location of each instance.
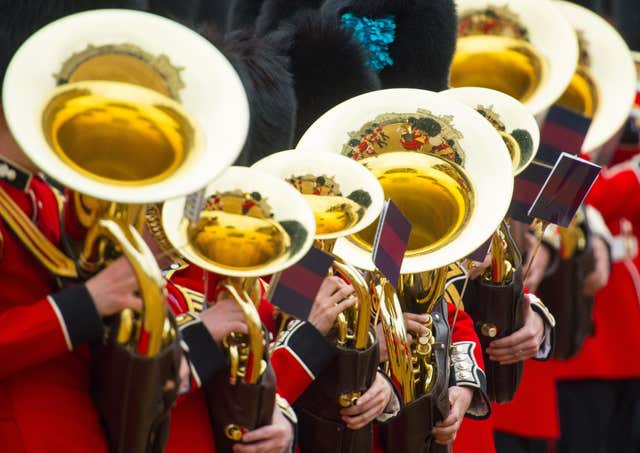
(121, 135)
(236, 232)
(334, 213)
(436, 197)
(237, 241)
(422, 131)
(489, 330)
(151, 283)
(233, 432)
(135, 142)
(251, 356)
(502, 63)
(572, 238)
(386, 303)
(582, 93)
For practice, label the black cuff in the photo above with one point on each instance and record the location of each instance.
(309, 345)
(465, 372)
(205, 357)
(80, 319)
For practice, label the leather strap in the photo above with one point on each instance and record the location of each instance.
(32, 238)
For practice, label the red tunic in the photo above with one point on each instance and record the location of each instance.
(606, 355)
(45, 406)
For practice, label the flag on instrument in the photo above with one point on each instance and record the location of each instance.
(481, 252)
(563, 131)
(564, 190)
(391, 241)
(526, 186)
(295, 288)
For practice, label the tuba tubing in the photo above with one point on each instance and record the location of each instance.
(254, 325)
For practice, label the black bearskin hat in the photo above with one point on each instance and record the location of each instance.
(263, 69)
(425, 39)
(21, 18)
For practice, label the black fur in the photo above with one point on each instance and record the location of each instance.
(243, 14)
(263, 69)
(274, 12)
(425, 39)
(328, 66)
(266, 15)
(187, 12)
(21, 18)
(206, 17)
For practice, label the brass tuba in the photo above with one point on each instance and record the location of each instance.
(604, 84)
(345, 198)
(440, 163)
(247, 224)
(522, 48)
(98, 117)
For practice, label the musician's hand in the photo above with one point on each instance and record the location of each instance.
(369, 406)
(274, 438)
(334, 296)
(523, 343)
(597, 279)
(541, 262)
(459, 398)
(414, 322)
(222, 318)
(112, 289)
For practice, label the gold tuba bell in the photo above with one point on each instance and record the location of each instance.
(522, 48)
(520, 132)
(344, 198)
(604, 84)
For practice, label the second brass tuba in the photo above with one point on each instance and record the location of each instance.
(247, 224)
(450, 174)
(345, 198)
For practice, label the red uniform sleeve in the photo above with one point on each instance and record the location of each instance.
(301, 353)
(202, 353)
(29, 335)
(35, 327)
(34, 333)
